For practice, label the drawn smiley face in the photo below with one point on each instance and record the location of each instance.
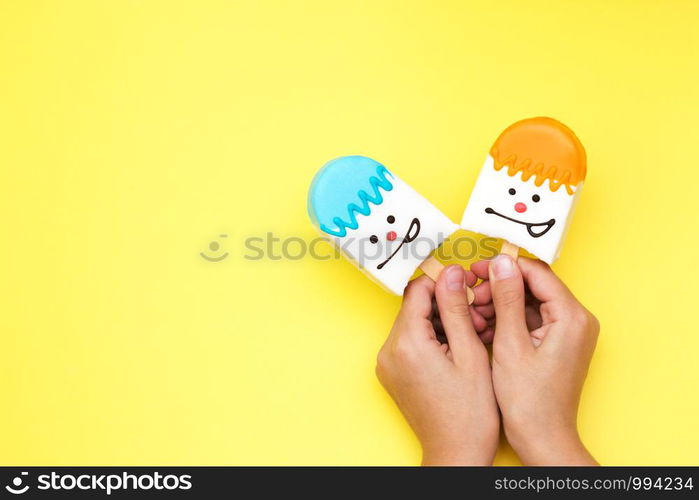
(215, 247)
(535, 228)
(411, 233)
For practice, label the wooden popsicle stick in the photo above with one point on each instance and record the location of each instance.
(510, 249)
(432, 267)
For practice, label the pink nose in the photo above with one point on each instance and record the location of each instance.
(520, 207)
(391, 235)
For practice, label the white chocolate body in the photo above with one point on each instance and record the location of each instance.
(492, 191)
(405, 205)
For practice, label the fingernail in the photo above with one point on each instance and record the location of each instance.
(502, 267)
(456, 279)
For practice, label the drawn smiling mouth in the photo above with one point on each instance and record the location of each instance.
(544, 226)
(415, 224)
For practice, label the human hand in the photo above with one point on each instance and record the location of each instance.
(543, 340)
(444, 391)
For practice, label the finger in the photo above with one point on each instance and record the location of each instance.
(537, 336)
(543, 282)
(438, 328)
(479, 322)
(480, 269)
(471, 279)
(482, 294)
(487, 335)
(507, 287)
(487, 311)
(417, 298)
(453, 307)
(416, 310)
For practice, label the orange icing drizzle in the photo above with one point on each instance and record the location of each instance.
(544, 148)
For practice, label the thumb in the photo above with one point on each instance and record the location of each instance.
(450, 292)
(507, 287)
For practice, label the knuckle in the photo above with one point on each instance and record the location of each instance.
(540, 264)
(507, 297)
(382, 363)
(586, 322)
(413, 285)
(581, 318)
(459, 309)
(535, 265)
(403, 351)
(379, 372)
(543, 266)
(381, 358)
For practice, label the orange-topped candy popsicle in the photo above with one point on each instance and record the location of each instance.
(528, 186)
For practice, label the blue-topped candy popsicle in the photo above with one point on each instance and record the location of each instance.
(377, 220)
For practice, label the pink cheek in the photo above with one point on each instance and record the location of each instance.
(391, 235)
(520, 207)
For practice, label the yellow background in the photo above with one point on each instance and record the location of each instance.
(133, 133)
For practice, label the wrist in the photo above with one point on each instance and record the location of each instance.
(459, 454)
(454, 458)
(552, 446)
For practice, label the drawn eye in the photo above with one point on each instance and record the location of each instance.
(536, 198)
(512, 191)
(373, 238)
(390, 219)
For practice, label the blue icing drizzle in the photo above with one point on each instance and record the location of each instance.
(343, 188)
